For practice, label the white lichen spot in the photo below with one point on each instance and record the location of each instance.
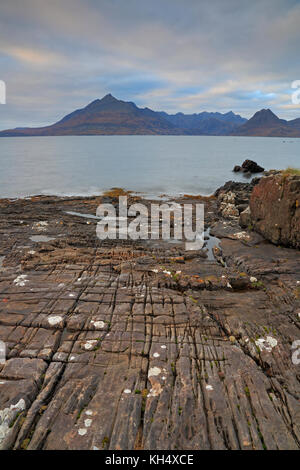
(272, 341)
(54, 320)
(71, 295)
(21, 280)
(127, 390)
(167, 272)
(98, 324)
(253, 279)
(241, 236)
(82, 431)
(90, 344)
(31, 252)
(89, 412)
(229, 285)
(61, 285)
(88, 422)
(95, 448)
(72, 358)
(163, 346)
(156, 355)
(155, 271)
(209, 387)
(154, 372)
(266, 344)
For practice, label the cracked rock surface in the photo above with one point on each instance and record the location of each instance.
(139, 345)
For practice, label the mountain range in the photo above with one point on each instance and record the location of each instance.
(110, 116)
(266, 123)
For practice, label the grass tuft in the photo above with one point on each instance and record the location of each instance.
(291, 171)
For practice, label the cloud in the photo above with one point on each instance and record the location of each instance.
(57, 56)
(34, 57)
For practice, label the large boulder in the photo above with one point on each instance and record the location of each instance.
(275, 209)
(252, 167)
(248, 167)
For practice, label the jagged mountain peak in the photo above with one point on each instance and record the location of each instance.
(265, 115)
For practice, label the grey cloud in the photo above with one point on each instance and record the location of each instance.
(59, 55)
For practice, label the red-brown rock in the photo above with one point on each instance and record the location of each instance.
(275, 209)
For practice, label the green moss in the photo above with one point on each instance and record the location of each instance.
(258, 285)
(25, 444)
(144, 399)
(105, 442)
(291, 171)
(14, 421)
(80, 413)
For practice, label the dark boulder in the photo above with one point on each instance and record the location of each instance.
(251, 167)
(237, 168)
(241, 190)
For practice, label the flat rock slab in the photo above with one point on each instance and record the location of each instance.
(133, 346)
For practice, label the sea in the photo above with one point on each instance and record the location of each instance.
(156, 166)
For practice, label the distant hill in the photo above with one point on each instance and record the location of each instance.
(206, 123)
(107, 116)
(266, 123)
(110, 116)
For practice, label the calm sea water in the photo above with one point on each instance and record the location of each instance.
(154, 165)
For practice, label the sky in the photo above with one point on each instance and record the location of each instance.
(173, 55)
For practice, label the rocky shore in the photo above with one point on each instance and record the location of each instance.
(143, 345)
